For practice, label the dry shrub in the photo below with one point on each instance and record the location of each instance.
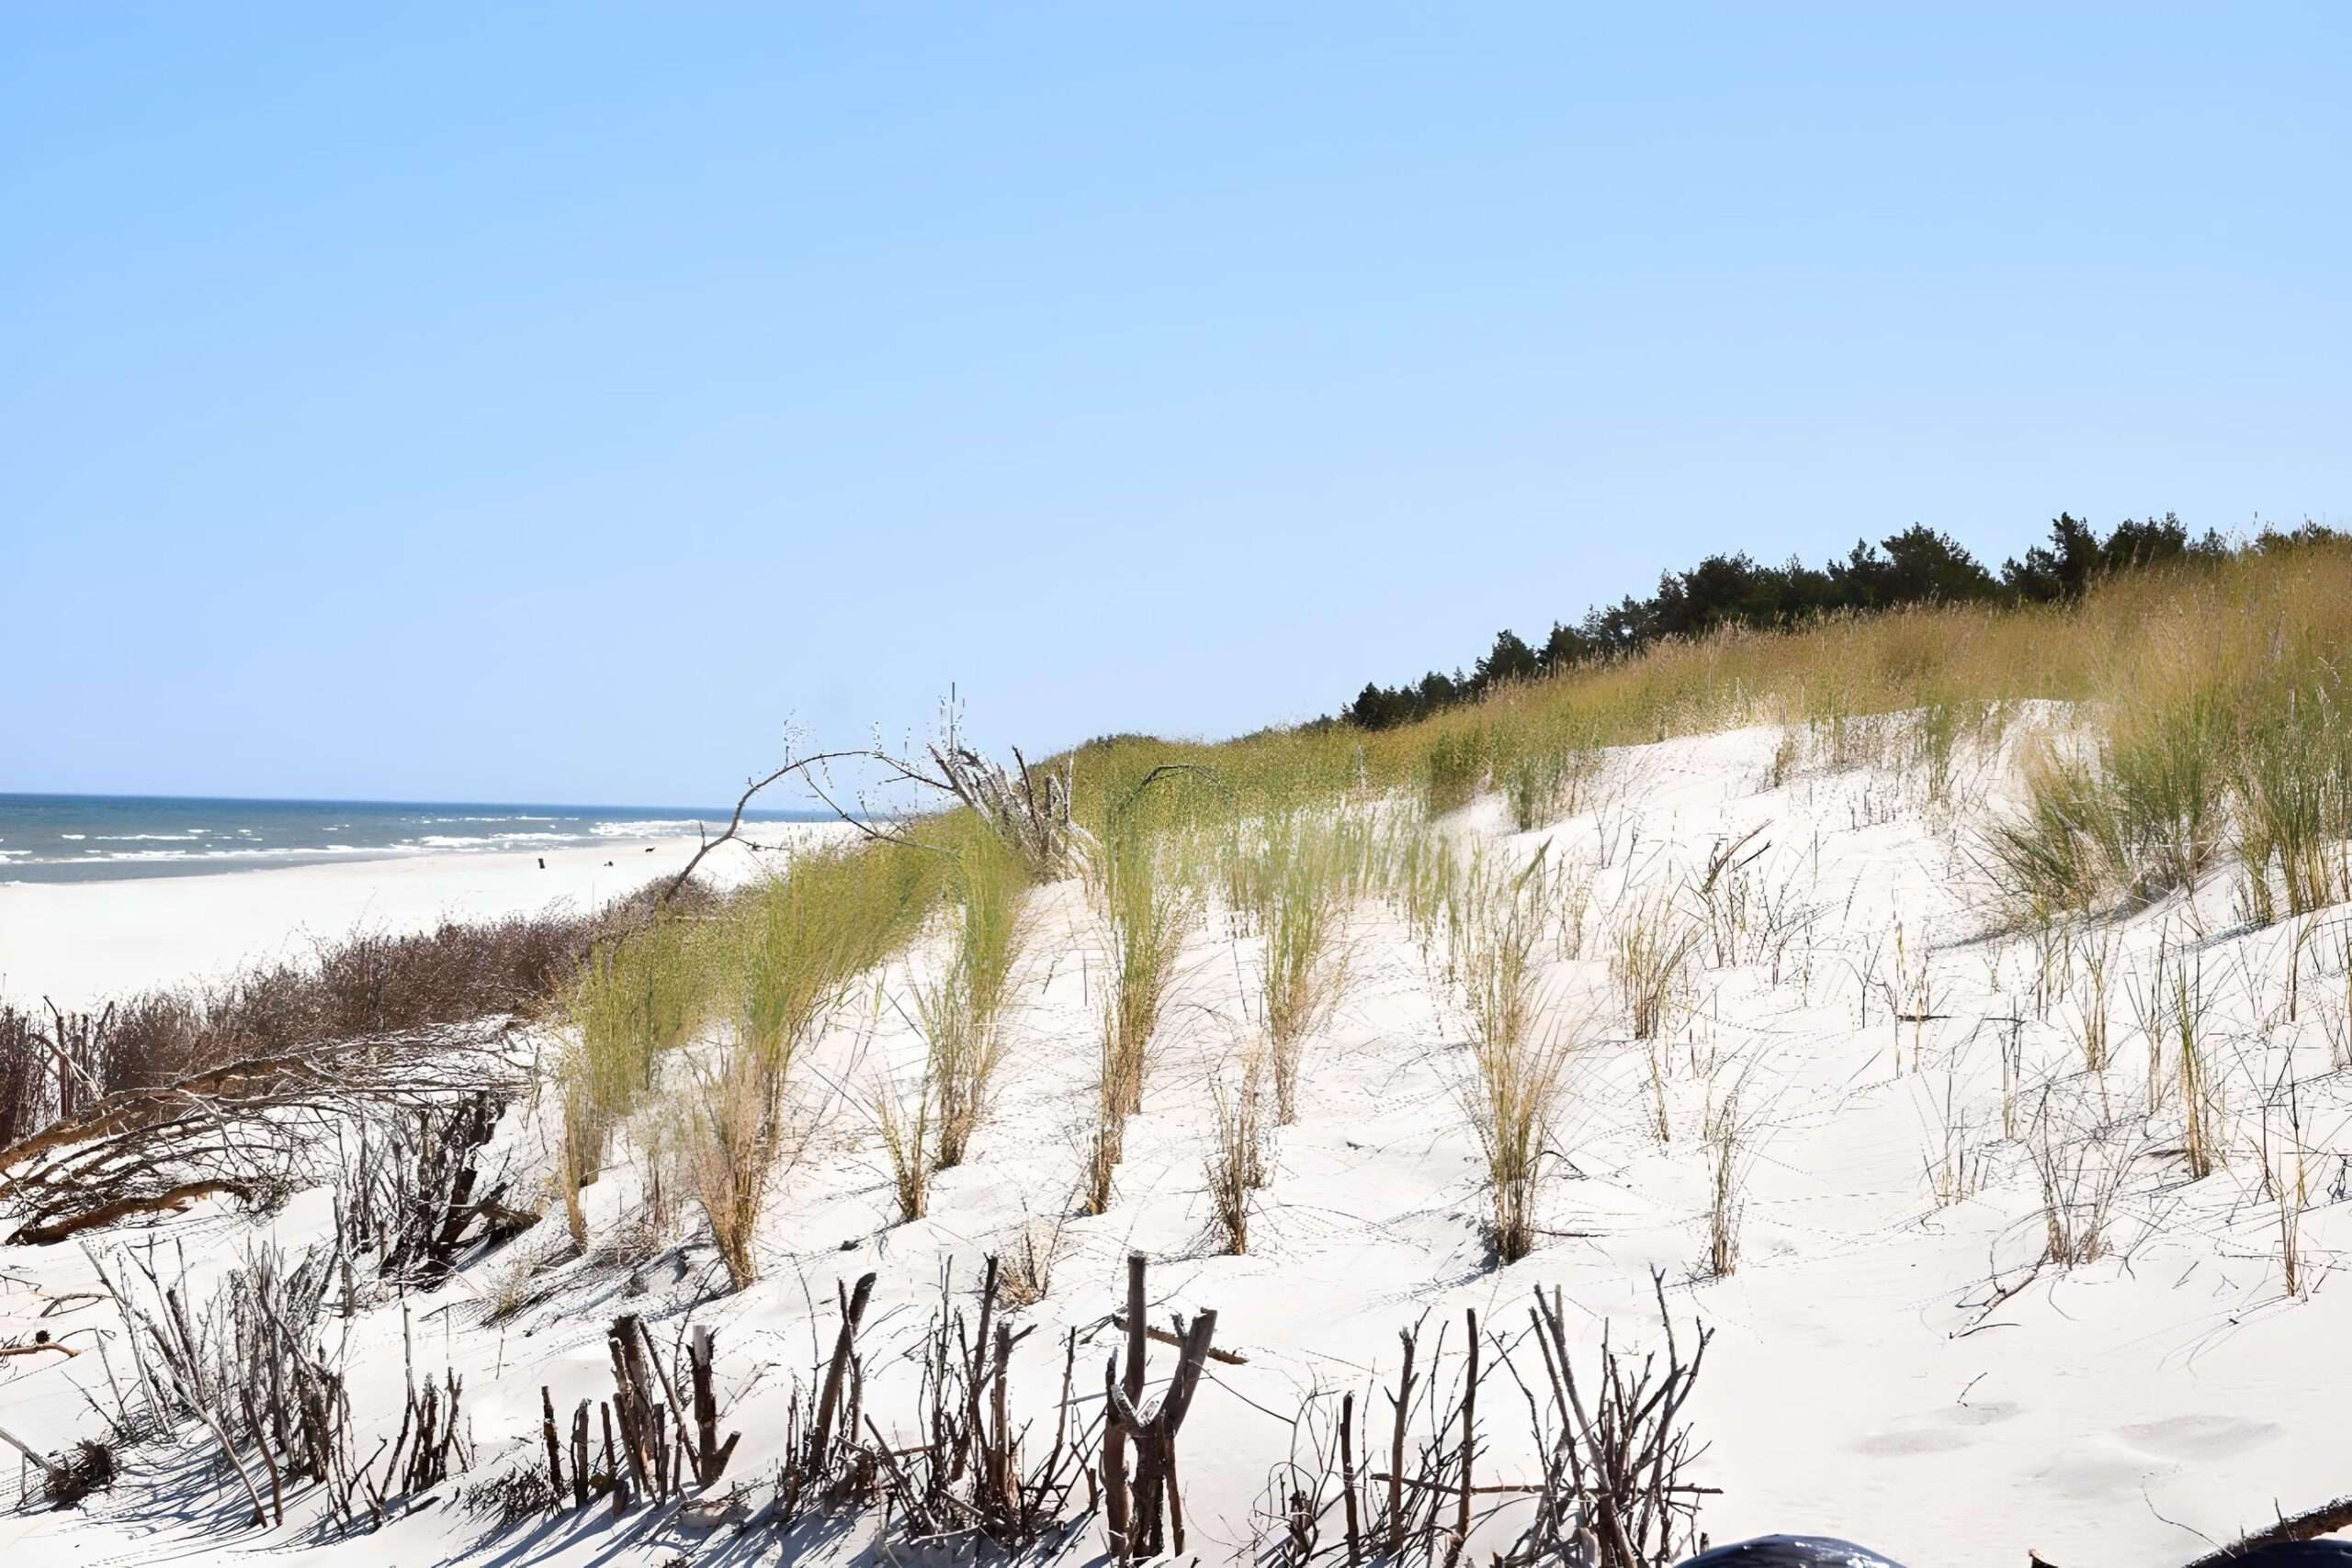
(363, 984)
(1027, 1276)
(2081, 1163)
(732, 1126)
(1236, 1162)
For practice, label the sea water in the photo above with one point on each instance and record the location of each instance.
(88, 838)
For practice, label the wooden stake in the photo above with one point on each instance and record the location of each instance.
(1403, 1402)
(555, 1450)
(1469, 1446)
(580, 1455)
(821, 1436)
(1348, 1477)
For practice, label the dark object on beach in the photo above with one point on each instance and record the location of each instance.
(2290, 1543)
(1794, 1551)
(2291, 1555)
(543, 862)
(89, 1468)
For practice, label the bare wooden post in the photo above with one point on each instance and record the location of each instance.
(1469, 1445)
(1115, 1437)
(555, 1448)
(658, 1442)
(1348, 1476)
(1157, 1501)
(714, 1455)
(612, 1464)
(999, 1435)
(1172, 1415)
(1403, 1401)
(580, 1455)
(821, 1436)
(629, 1405)
(669, 1392)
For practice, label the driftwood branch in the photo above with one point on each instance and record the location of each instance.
(2322, 1520)
(735, 823)
(1163, 1337)
(171, 1201)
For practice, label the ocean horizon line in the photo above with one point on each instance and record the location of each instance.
(669, 808)
(88, 838)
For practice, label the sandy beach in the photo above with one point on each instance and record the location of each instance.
(78, 943)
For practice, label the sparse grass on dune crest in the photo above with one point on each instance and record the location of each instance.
(2207, 688)
(962, 1008)
(1146, 909)
(2204, 724)
(1298, 876)
(637, 998)
(764, 971)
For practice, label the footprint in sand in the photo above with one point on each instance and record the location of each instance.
(2199, 1437)
(1990, 1414)
(1896, 1445)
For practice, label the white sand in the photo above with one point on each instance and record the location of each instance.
(78, 942)
(1865, 1380)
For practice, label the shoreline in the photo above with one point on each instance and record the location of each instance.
(83, 944)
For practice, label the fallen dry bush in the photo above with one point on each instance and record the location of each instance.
(253, 1130)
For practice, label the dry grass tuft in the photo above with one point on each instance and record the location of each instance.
(1305, 870)
(732, 1123)
(1028, 1272)
(2081, 1163)
(1236, 1162)
(962, 1010)
(1146, 912)
(904, 1120)
(1653, 946)
(1514, 1103)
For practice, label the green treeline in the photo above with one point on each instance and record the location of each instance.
(1916, 566)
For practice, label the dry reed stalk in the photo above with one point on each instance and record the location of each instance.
(905, 1143)
(2081, 1166)
(2097, 959)
(1237, 1165)
(1654, 944)
(2201, 1143)
(1727, 1129)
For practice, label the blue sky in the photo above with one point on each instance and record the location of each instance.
(552, 402)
